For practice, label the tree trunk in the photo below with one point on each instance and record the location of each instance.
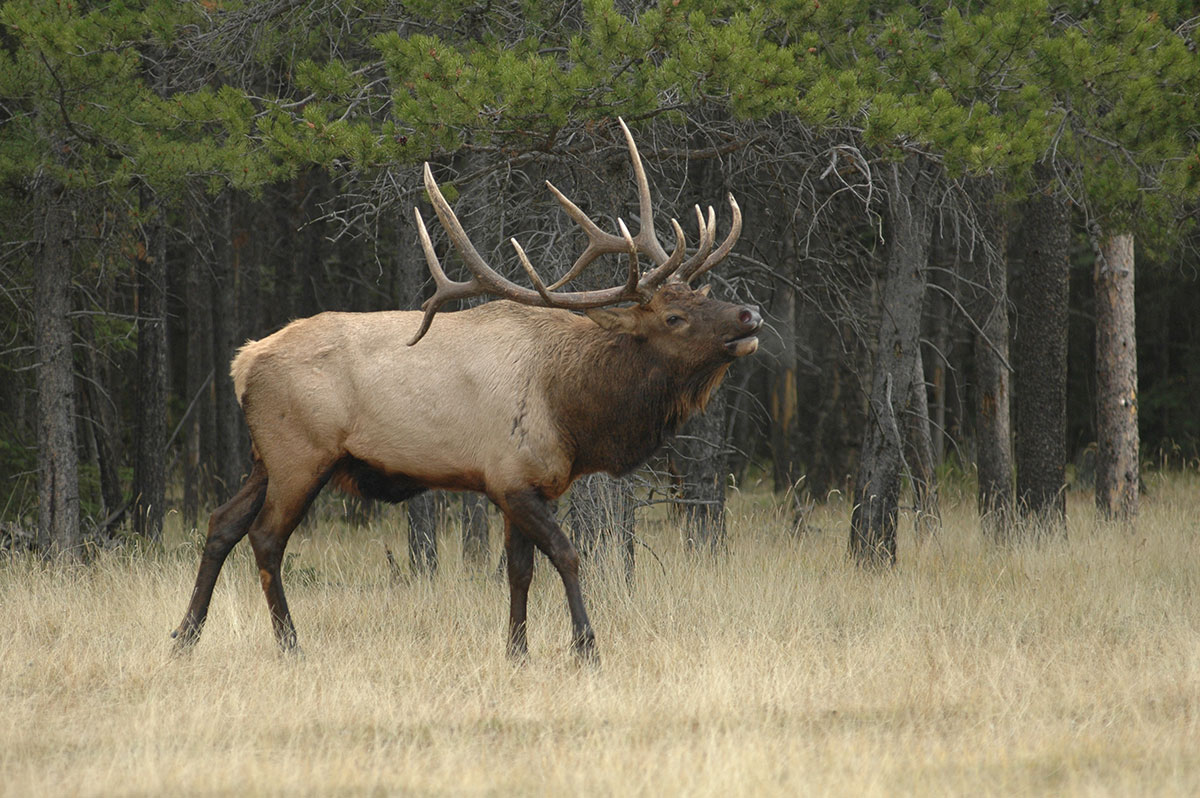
(833, 409)
(927, 507)
(701, 461)
(988, 298)
(422, 511)
(602, 512)
(1116, 381)
(150, 430)
(1040, 360)
(940, 336)
(877, 488)
(250, 248)
(58, 531)
(225, 328)
(102, 420)
(198, 379)
(784, 400)
(475, 531)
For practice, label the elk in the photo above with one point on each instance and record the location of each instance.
(514, 398)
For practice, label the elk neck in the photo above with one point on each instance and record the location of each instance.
(616, 400)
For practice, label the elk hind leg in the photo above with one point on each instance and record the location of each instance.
(519, 562)
(269, 534)
(227, 525)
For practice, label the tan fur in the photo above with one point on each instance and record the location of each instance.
(465, 401)
(239, 368)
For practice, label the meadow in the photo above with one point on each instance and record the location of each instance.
(1068, 667)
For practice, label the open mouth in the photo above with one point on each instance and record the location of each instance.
(746, 345)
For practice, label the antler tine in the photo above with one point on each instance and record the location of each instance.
(533, 275)
(488, 279)
(661, 274)
(485, 280)
(707, 234)
(599, 242)
(635, 271)
(638, 288)
(646, 239)
(735, 230)
(447, 289)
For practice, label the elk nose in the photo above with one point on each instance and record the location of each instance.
(749, 317)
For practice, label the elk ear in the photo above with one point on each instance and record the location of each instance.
(704, 289)
(617, 320)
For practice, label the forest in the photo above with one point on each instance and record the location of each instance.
(943, 209)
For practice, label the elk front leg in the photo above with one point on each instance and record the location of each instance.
(519, 558)
(529, 512)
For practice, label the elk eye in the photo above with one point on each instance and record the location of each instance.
(674, 321)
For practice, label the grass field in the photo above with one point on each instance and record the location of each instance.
(1067, 668)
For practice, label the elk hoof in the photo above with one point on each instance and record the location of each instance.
(185, 637)
(183, 647)
(586, 652)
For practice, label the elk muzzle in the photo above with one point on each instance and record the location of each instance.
(746, 340)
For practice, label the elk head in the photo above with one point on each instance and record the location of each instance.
(682, 322)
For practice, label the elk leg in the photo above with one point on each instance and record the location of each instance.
(227, 525)
(528, 511)
(269, 535)
(519, 560)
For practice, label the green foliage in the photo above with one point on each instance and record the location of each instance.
(89, 115)
(987, 89)
(1128, 79)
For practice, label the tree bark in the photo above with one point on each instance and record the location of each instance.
(988, 298)
(422, 512)
(1040, 360)
(602, 512)
(225, 328)
(475, 531)
(702, 455)
(877, 488)
(927, 509)
(1116, 381)
(941, 321)
(150, 430)
(102, 420)
(58, 533)
(199, 376)
(784, 399)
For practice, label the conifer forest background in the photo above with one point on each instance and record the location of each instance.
(944, 205)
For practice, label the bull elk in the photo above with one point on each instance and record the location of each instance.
(512, 398)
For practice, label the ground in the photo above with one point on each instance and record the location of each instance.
(1066, 668)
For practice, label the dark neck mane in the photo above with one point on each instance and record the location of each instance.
(616, 401)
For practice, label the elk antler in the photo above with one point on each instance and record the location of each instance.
(687, 274)
(638, 288)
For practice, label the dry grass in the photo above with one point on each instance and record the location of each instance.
(1066, 668)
